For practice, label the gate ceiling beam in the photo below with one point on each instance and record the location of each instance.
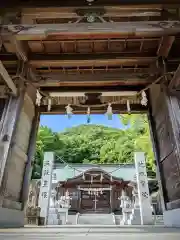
(94, 30)
(93, 88)
(8, 79)
(165, 46)
(91, 78)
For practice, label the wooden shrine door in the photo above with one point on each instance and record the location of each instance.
(87, 202)
(103, 202)
(93, 203)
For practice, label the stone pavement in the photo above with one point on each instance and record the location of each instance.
(91, 233)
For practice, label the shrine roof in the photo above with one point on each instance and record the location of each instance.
(62, 172)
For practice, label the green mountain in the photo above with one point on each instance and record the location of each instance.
(96, 144)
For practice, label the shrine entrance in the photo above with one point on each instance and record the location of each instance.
(95, 203)
(88, 55)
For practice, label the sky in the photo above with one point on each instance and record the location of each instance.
(59, 123)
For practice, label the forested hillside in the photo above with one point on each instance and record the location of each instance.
(97, 144)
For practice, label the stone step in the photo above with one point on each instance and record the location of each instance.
(72, 220)
(96, 219)
(157, 220)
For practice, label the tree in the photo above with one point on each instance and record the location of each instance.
(139, 127)
(96, 144)
(46, 141)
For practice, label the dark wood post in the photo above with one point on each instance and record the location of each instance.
(30, 157)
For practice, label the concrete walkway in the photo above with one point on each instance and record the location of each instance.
(91, 233)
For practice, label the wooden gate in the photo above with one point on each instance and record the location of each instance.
(168, 155)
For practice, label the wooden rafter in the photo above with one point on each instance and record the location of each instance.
(175, 81)
(165, 46)
(12, 45)
(7, 79)
(121, 46)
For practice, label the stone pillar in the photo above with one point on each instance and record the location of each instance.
(143, 189)
(46, 182)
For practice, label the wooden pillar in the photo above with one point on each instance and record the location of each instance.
(153, 134)
(8, 130)
(30, 157)
(111, 199)
(166, 115)
(15, 133)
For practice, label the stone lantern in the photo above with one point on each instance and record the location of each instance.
(126, 206)
(135, 218)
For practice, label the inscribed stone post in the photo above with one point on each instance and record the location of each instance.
(46, 180)
(143, 189)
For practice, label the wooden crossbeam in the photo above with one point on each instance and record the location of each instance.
(69, 60)
(95, 30)
(29, 15)
(165, 46)
(117, 109)
(92, 89)
(7, 79)
(104, 78)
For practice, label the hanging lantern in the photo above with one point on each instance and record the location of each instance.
(144, 100)
(83, 177)
(128, 107)
(88, 115)
(69, 111)
(109, 111)
(38, 98)
(49, 104)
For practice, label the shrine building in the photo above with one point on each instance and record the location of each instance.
(68, 190)
(93, 188)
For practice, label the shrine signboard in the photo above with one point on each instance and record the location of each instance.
(143, 189)
(46, 180)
